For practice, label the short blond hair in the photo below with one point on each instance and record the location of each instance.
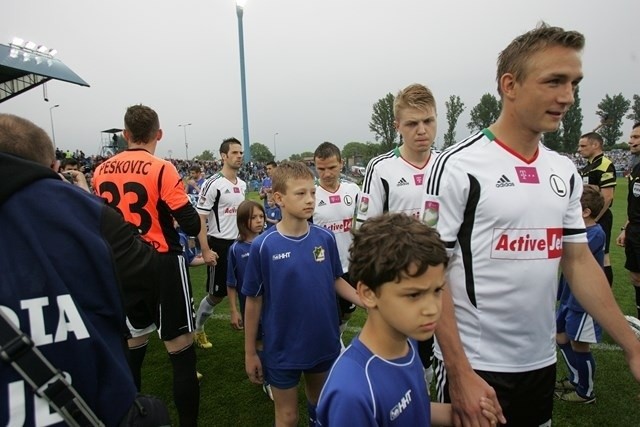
(286, 171)
(515, 57)
(413, 96)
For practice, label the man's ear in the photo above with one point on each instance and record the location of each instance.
(367, 295)
(508, 85)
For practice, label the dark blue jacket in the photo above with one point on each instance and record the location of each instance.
(63, 256)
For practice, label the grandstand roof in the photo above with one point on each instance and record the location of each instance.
(22, 70)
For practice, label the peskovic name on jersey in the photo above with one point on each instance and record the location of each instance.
(526, 244)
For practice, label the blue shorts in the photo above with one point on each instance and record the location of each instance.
(578, 325)
(289, 378)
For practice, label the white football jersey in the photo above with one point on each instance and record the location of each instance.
(504, 221)
(391, 184)
(219, 199)
(336, 211)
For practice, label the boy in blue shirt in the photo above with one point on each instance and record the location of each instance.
(399, 266)
(576, 329)
(292, 276)
(273, 213)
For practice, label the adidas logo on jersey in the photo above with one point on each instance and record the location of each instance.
(402, 182)
(504, 182)
(322, 203)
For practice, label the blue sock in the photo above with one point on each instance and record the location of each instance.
(586, 366)
(311, 410)
(570, 360)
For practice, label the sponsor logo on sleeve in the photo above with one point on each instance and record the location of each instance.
(526, 243)
(431, 213)
(363, 206)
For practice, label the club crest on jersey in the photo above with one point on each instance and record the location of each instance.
(526, 243)
(236, 190)
(318, 253)
(431, 213)
(364, 204)
(418, 179)
(335, 199)
(348, 200)
(557, 185)
(527, 175)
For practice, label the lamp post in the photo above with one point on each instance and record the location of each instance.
(186, 144)
(53, 132)
(274, 146)
(243, 84)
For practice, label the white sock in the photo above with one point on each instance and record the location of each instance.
(205, 310)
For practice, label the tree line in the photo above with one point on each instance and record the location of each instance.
(612, 110)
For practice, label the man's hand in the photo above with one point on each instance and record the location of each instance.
(209, 257)
(466, 394)
(621, 238)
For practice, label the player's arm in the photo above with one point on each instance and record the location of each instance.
(466, 388)
(253, 366)
(447, 192)
(208, 255)
(371, 198)
(589, 285)
(607, 194)
(346, 291)
(623, 234)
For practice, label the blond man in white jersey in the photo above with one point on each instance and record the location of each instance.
(508, 210)
(394, 181)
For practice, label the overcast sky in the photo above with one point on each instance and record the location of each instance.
(314, 67)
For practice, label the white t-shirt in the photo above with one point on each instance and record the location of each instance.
(391, 184)
(335, 211)
(504, 221)
(219, 199)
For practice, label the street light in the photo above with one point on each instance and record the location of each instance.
(186, 144)
(53, 132)
(243, 84)
(274, 145)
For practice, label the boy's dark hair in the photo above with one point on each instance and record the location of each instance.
(224, 147)
(388, 247)
(142, 123)
(243, 219)
(271, 163)
(592, 199)
(327, 150)
(636, 125)
(70, 161)
(195, 168)
(286, 171)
